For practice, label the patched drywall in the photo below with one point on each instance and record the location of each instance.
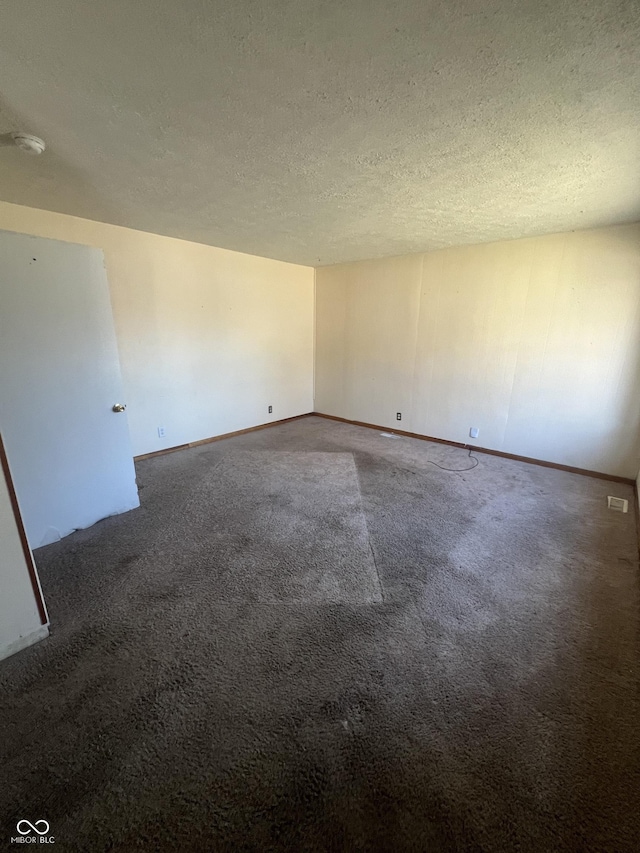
(535, 342)
(208, 338)
(325, 132)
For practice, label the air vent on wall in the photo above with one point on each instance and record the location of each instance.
(619, 504)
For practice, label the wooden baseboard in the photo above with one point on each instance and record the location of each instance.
(486, 450)
(162, 452)
(541, 462)
(218, 437)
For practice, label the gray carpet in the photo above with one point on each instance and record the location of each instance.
(310, 639)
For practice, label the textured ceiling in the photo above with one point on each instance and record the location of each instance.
(320, 131)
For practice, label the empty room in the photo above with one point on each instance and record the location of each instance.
(320, 426)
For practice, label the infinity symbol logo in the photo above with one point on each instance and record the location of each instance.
(32, 827)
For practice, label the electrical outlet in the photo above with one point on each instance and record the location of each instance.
(474, 432)
(398, 416)
(270, 410)
(161, 432)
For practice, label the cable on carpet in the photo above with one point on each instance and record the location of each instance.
(458, 470)
(442, 467)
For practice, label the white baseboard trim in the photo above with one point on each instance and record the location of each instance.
(21, 643)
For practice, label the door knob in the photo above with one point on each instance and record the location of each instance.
(119, 407)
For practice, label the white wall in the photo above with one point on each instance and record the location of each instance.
(20, 623)
(536, 342)
(208, 338)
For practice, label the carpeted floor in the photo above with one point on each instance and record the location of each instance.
(308, 638)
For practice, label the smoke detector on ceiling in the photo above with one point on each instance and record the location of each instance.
(28, 143)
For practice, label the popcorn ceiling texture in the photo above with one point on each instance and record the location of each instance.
(320, 132)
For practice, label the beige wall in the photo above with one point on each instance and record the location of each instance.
(208, 338)
(536, 342)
